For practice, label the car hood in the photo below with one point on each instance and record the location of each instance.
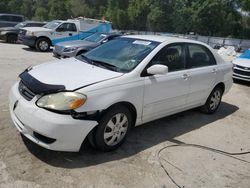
(76, 43)
(244, 62)
(37, 29)
(8, 29)
(71, 73)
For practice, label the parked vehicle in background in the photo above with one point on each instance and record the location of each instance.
(123, 83)
(74, 48)
(241, 66)
(60, 30)
(10, 20)
(9, 34)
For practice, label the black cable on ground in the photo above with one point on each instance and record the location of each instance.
(228, 154)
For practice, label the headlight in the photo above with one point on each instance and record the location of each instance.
(30, 33)
(62, 101)
(69, 49)
(2, 32)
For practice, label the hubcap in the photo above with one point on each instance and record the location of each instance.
(215, 100)
(43, 45)
(116, 129)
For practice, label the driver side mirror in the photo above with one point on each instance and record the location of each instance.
(157, 69)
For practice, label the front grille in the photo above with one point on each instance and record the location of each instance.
(244, 68)
(25, 91)
(245, 73)
(58, 48)
(43, 138)
(22, 32)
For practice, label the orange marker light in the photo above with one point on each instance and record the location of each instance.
(77, 103)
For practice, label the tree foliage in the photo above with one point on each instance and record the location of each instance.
(205, 17)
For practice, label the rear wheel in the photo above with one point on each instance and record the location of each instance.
(113, 128)
(11, 38)
(43, 45)
(213, 101)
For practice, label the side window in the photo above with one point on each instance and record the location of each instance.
(72, 27)
(66, 27)
(16, 18)
(62, 28)
(199, 56)
(171, 56)
(5, 18)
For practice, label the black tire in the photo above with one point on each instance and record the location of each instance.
(32, 47)
(43, 45)
(11, 39)
(213, 102)
(103, 128)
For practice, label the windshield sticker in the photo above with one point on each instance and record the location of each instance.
(141, 42)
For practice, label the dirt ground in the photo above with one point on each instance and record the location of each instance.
(140, 162)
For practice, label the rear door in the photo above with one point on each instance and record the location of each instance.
(65, 32)
(202, 71)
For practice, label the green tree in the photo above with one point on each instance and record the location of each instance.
(59, 9)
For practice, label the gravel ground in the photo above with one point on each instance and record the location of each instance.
(138, 162)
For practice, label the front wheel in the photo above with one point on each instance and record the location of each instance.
(43, 45)
(11, 39)
(113, 128)
(213, 101)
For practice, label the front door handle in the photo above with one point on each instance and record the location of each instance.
(214, 70)
(185, 76)
(70, 34)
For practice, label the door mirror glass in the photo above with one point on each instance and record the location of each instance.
(157, 69)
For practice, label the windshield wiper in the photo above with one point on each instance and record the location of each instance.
(98, 63)
(106, 65)
(86, 59)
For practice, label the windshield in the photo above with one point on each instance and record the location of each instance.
(121, 54)
(246, 54)
(96, 37)
(52, 25)
(20, 25)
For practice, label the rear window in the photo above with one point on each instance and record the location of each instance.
(199, 56)
(11, 18)
(16, 18)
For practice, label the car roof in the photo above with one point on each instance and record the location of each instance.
(33, 22)
(11, 14)
(161, 38)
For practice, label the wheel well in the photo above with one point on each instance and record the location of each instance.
(45, 38)
(81, 51)
(130, 107)
(221, 85)
(9, 34)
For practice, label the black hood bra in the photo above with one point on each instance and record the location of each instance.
(38, 87)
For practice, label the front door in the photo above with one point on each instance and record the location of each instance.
(164, 94)
(65, 32)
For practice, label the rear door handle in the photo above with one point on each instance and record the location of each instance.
(70, 34)
(185, 76)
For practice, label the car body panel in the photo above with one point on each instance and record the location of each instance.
(83, 73)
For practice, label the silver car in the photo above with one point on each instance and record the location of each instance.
(77, 47)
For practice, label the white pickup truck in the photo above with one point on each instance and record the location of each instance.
(56, 31)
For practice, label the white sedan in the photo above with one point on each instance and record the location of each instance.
(241, 70)
(126, 82)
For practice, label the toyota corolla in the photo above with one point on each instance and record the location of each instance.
(102, 94)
